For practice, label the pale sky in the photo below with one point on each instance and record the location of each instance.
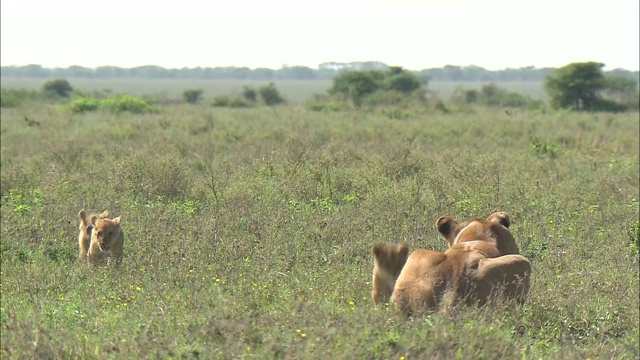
(494, 34)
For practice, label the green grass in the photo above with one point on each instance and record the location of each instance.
(248, 231)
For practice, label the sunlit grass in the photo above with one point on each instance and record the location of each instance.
(248, 231)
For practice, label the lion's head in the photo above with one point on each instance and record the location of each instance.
(105, 232)
(494, 229)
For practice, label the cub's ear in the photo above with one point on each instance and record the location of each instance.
(104, 214)
(117, 220)
(92, 219)
(82, 215)
(376, 249)
(500, 217)
(403, 251)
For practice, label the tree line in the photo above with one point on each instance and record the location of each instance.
(324, 72)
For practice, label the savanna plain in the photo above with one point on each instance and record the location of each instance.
(248, 231)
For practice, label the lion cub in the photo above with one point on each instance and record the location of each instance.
(107, 241)
(86, 228)
(388, 261)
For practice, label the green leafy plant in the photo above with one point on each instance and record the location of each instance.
(127, 103)
(84, 104)
(192, 96)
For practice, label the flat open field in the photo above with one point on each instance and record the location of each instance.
(296, 91)
(248, 232)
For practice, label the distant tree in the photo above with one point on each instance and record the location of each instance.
(400, 80)
(262, 74)
(296, 72)
(576, 86)
(620, 87)
(192, 96)
(60, 87)
(250, 93)
(355, 85)
(270, 95)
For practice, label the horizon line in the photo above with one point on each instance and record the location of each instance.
(318, 67)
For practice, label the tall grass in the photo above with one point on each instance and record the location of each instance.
(248, 231)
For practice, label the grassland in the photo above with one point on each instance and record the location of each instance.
(248, 231)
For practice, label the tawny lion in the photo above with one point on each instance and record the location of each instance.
(107, 241)
(86, 228)
(481, 262)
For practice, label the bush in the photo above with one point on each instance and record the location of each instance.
(359, 85)
(270, 95)
(239, 102)
(385, 98)
(59, 87)
(127, 103)
(493, 96)
(327, 103)
(250, 94)
(356, 85)
(84, 104)
(401, 80)
(221, 101)
(229, 101)
(14, 97)
(192, 96)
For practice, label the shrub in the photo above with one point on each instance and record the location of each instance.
(240, 102)
(327, 103)
(270, 95)
(14, 97)
(127, 103)
(221, 101)
(385, 98)
(493, 96)
(60, 87)
(401, 80)
(355, 85)
(250, 94)
(192, 96)
(230, 101)
(84, 104)
(358, 85)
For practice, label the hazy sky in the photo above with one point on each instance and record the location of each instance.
(494, 34)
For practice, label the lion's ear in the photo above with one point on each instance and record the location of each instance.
(104, 214)
(403, 251)
(446, 225)
(376, 249)
(117, 220)
(500, 217)
(82, 215)
(92, 219)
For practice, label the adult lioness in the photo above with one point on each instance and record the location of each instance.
(86, 228)
(494, 229)
(107, 241)
(480, 263)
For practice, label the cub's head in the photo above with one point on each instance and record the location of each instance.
(388, 261)
(105, 232)
(390, 258)
(494, 228)
(86, 222)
